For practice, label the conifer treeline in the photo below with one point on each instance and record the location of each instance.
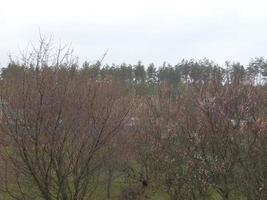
(186, 71)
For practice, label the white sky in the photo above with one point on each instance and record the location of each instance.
(146, 30)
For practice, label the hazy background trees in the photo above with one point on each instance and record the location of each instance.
(195, 130)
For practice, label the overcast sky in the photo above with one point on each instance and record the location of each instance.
(146, 30)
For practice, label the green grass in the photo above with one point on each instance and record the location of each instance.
(121, 182)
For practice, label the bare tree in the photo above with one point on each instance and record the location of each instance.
(59, 125)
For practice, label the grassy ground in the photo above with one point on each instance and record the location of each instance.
(121, 183)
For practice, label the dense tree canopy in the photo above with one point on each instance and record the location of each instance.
(192, 131)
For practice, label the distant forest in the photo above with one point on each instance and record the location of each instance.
(186, 71)
(193, 131)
